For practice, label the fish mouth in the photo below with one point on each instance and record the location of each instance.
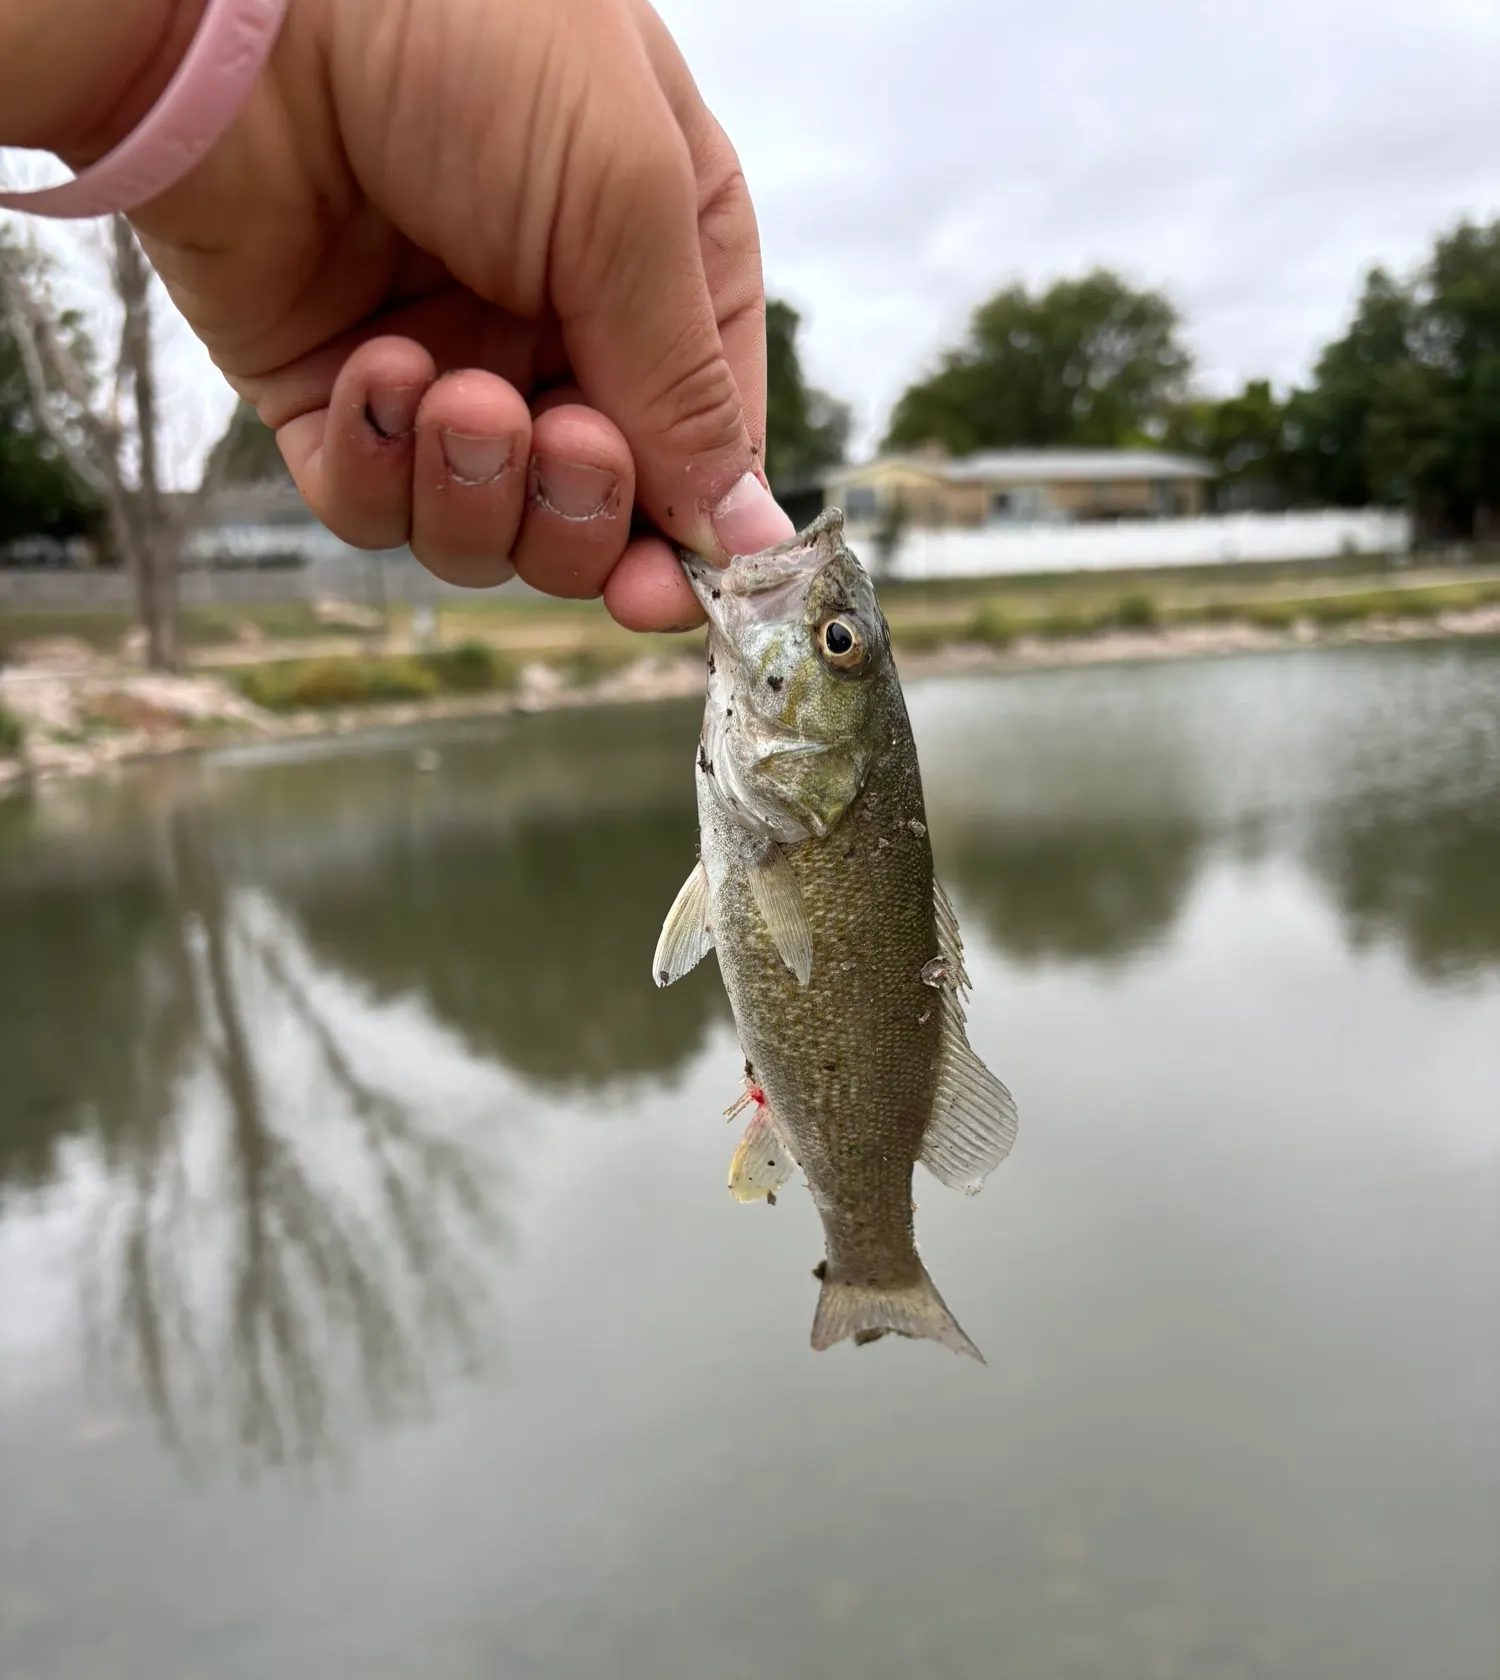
(764, 586)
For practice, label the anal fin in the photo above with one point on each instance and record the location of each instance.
(762, 1163)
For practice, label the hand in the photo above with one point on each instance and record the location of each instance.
(491, 271)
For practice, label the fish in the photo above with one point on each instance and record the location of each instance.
(838, 948)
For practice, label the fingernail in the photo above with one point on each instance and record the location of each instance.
(475, 460)
(572, 490)
(748, 519)
(392, 413)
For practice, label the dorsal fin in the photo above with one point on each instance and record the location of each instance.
(973, 1122)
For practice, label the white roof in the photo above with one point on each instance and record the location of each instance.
(1034, 466)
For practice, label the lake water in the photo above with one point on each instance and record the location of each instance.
(371, 1302)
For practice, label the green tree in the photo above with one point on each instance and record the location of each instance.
(1091, 362)
(1404, 409)
(1457, 349)
(107, 429)
(806, 429)
(246, 453)
(40, 494)
(1243, 435)
(1329, 424)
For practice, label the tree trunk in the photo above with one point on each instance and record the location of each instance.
(156, 543)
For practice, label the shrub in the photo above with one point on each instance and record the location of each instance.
(1137, 612)
(469, 668)
(294, 685)
(925, 635)
(1070, 623)
(994, 626)
(1340, 609)
(1273, 615)
(591, 664)
(306, 684)
(12, 735)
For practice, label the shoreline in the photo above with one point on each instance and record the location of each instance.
(198, 713)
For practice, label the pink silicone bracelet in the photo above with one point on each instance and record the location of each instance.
(199, 103)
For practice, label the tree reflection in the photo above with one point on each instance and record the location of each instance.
(95, 1024)
(532, 941)
(1426, 878)
(1074, 892)
(279, 1237)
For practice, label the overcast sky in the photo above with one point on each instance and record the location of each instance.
(908, 157)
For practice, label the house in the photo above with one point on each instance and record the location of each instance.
(251, 525)
(1018, 487)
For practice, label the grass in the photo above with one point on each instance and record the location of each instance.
(497, 635)
(104, 628)
(287, 621)
(12, 735)
(1002, 613)
(591, 664)
(296, 685)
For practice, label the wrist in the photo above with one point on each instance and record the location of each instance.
(77, 76)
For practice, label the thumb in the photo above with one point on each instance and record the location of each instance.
(644, 338)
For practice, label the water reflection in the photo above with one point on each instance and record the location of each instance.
(301, 1063)
(537, 951)
(1098, 892)
(1425, 879)
(1078, 821)
(96, 1021)
(285, 1008)
(278, 1238)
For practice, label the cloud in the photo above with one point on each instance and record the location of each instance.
(908, 158)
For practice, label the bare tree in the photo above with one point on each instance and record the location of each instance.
(108, 429)
(310, 1290)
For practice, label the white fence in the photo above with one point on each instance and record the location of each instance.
(1223, 540)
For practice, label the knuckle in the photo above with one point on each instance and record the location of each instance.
(696, 409)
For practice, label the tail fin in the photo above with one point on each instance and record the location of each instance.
(867, 1311)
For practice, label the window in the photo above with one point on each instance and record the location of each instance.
(861, 504)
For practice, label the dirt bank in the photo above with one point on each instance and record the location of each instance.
(81, 718)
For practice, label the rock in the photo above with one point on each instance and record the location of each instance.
(1474, 621)
(423, 627)
(427, 761)
(57, 758)
(198, 699)
(54, 653)
(345, 615)
(540, 686)
(45, 704)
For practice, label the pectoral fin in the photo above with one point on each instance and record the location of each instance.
(685, 937)
(973, 1121)
(762, 1163)
(779, 899)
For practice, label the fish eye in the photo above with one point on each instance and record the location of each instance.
(841, 644)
